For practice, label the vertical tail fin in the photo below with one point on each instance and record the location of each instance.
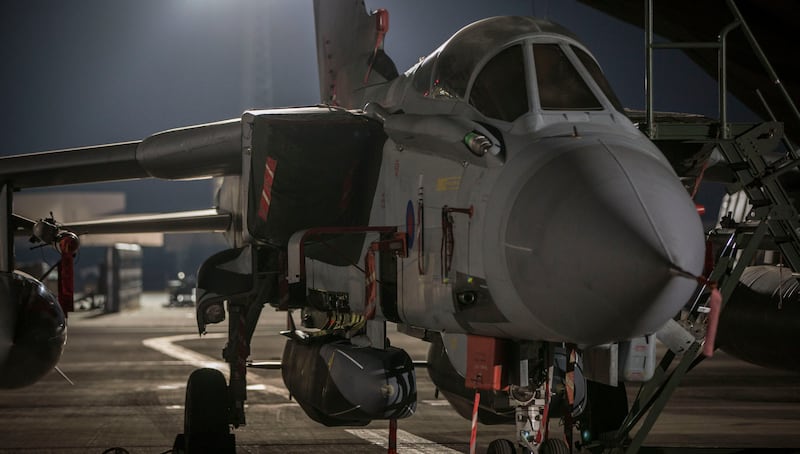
(350, 50)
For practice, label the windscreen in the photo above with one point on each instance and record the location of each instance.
(500, 90)
(560, 85)
(599, 78)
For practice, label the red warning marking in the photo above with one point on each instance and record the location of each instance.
(266, 191)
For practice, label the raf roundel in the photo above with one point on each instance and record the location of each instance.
(410, 224)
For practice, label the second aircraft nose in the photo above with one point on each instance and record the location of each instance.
(591, 242)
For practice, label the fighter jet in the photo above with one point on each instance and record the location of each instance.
(494, 200)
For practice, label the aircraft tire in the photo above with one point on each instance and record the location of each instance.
(554, 446)
(205, 422)
(501, 446)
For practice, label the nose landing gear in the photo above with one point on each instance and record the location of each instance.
(205, 423)
(554, 391)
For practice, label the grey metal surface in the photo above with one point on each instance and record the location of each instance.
(206, 150)
(579, 222)
(346, 39)
(212, 149)
(592, 236)
(76, 165)
(187, 221)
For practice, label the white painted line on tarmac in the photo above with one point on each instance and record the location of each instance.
(166, 345)
(407, 443)
(436, 403)
(410, 443)
(84, 365)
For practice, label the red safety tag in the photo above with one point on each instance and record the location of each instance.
(68, 244)
(473, 438)
(715, 304)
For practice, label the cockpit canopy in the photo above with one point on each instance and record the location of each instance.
(508, 66)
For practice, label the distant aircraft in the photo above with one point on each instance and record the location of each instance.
(494, 200)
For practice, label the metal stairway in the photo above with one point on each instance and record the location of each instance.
(759, 181)
(773, 223)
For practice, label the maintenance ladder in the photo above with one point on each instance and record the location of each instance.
(773, 222)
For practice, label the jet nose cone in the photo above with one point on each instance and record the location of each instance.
(592, 241)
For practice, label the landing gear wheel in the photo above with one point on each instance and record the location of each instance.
(205, 420)
(501, 446)
(554, 446)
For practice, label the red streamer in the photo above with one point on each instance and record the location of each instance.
(715, 304)
(68, 244)
(473, 438)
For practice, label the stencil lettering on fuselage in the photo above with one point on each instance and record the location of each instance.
(448, 184)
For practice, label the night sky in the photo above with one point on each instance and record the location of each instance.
(96, 71)
(89, 72)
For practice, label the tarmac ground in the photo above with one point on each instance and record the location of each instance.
(129, 372)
